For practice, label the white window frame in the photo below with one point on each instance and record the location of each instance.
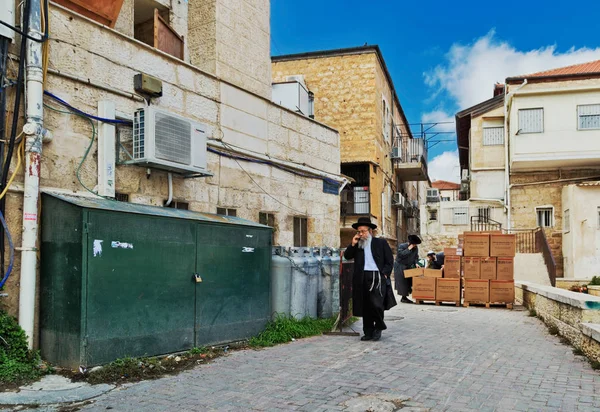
(493, 141)
(456, 221)
(385, 121)
(433, 213)
(567, 221)
(579, 110)
(521, 111)
(544, 208)
(598, 209)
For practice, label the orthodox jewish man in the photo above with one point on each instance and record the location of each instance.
(373, 264)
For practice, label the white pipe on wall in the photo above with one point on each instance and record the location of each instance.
(34, 132)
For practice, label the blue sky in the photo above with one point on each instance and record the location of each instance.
(444, 55)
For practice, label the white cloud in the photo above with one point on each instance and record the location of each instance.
(468, 75)
(439, 116)
(445, 167)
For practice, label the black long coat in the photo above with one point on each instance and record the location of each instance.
(405, 259)
(384, 259)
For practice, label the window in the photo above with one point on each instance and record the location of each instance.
(300, 229)
(545, 216)
(483, 213)
(433, 195)
(385, 122)
(460, 215)
(178, 205)
(226, 212)
(121, 197)
(433, 214)
(589, 116)
(567, 221)
(445, 198)
(531, 121)
(598, 217)
(151, 26)
(268, 219)
(493, 136)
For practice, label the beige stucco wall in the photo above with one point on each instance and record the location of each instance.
(581, 243)
(240, 117)
(547, 150)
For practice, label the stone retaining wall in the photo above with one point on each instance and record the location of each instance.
(575, 315)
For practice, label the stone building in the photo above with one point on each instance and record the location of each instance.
(554, 140)
(352, 90)
(266, 163)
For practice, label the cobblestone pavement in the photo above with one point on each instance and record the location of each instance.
(437, 358)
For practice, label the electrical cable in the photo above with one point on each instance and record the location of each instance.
(4, 44)
(87, 151)
(15, 122)
(20, 157)
(74, 110)
(24, 32)
(267, 193)
(12, 252)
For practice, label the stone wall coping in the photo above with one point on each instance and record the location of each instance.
(591, 330)
(578, 300)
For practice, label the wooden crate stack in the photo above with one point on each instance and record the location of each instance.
(431, 285)
(488, 268)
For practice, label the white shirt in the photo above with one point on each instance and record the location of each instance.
(369, 261)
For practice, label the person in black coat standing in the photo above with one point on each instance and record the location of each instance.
(373, 264)
(407, 257)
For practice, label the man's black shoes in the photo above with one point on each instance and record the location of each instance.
(366, 337)
(406, 300)
(376, 335)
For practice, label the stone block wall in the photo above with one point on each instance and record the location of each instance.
(237, 116)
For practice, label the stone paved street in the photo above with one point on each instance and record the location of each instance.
(442, 358)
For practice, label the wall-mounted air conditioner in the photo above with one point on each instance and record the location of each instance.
(465, 175)
(294, 95)
(164, 140)
(396, 153)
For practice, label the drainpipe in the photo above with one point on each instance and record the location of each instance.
(507, 98)
(34, 132)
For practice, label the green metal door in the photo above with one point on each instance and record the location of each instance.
(232, 301)
(140, 293)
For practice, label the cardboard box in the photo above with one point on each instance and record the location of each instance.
(477, 290)
(423, 288)
(432, 273)
(505, 268)
(447, 290)
(452, 267)
(477, 244)
(450, 251)
(502, 291)
(488, 268)
(471, 267)
(502, 245)
(413, 273)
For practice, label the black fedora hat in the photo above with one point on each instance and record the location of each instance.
(414, 239)
(364, 221)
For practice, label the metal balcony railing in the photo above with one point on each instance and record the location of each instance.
(355, 201)
(409, 150)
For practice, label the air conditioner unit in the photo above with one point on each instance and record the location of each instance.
(397, 199)
(396, 153)
(465, 175)
(464, 186)
(163, 140)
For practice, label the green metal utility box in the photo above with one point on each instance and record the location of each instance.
(120, 279)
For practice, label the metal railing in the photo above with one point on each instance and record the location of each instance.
(535, 241)
(409, 150)
(355, 203)
(433, 199)
(484, 224)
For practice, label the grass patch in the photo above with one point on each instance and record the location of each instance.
(595, 365)
(18, 364)
(553, 330)
(578, 352)
(532, 313)
(285, 328)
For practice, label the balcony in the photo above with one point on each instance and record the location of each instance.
(410, 159)
(401, 202)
